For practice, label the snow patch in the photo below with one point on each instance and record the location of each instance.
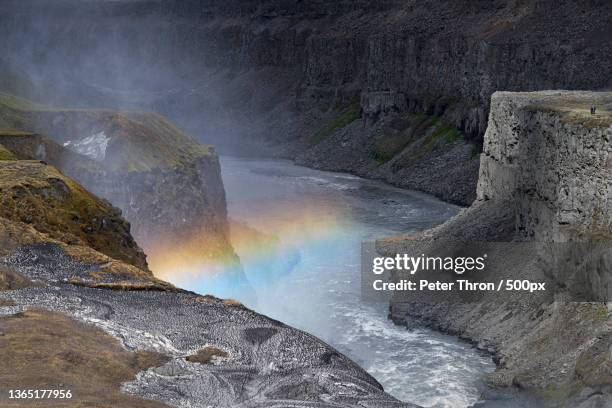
(93, 146)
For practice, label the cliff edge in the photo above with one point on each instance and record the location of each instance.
(544, 178)
(167, 184)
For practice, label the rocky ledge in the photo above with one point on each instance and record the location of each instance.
(544, 177)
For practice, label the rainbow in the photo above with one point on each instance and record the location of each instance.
(268, 248)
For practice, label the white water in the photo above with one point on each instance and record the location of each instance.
(93, 146)
(321, 218)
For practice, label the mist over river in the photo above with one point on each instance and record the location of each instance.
(298, 233)
(321, 218)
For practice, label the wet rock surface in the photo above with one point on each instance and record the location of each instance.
(260, 362)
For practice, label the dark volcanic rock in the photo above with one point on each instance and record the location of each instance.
(264, 363)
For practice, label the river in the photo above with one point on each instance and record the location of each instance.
(312, 281)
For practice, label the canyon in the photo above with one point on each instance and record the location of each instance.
(407, 92)
(71, 285)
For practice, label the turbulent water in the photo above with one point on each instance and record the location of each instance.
(310, 277)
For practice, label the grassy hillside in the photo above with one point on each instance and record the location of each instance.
(40, 196)
(6, 154)
(61, 350)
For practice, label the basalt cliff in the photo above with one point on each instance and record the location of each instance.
(397, 90)
(542, 212)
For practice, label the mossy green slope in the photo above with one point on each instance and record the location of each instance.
(6, 154)
(38, 195)
(341, 119)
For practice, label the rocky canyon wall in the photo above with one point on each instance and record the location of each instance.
(543, 214)
(278, 77)
(548, 151)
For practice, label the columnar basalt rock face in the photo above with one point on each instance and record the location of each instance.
(548, 157)
(547, 152)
